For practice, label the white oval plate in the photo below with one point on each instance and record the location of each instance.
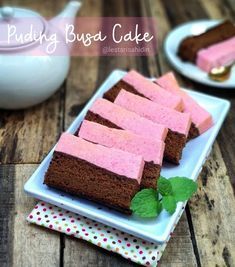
(190, 70)
(154, 230)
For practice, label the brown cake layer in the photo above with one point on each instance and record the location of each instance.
(81, 178)
(150, 176)
(193, 132)
(175, 142)
(190, 46)
(90, 116)
(112, 93)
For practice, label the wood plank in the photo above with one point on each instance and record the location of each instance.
(109, 63)
(33, 245)
(216, 9)
(183, 10)
(22, 244)
(179, 250)
(163, 28)
(82, 80)
(47, 8)
(226, 141)
(27, 135)
(6, 215)
(89, 255)
(212, 211)
(231, 5)
(221, 10)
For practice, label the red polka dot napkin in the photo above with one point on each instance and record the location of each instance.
(128, 246)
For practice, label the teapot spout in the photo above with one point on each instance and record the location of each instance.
(70, 10)
(68, 14)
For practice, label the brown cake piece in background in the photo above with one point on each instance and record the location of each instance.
(190, 46)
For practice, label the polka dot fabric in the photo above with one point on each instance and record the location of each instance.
(128, 246)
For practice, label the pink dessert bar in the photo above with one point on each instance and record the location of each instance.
(177, 123)
(151, 150)
(135, 83)
(220, 54)
(201, 119)
(107, 175)
(114, 116)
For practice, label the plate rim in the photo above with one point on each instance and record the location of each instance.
(93, 215)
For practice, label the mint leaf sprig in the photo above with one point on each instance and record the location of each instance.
(148, 203)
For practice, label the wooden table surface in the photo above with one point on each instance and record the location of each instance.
(205, 235)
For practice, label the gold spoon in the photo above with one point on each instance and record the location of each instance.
(220, 74)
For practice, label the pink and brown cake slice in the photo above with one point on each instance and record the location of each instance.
(150, 149)
(191, 46)
(106, 175)
(216, 56)
(178, 123)
(201, 119)
(135, 83)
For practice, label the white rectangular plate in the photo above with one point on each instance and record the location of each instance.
(154, 230)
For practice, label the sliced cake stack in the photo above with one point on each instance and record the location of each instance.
(212, 49)
(119, 147)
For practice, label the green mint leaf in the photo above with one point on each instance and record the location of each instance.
(169, 204)
(183, 188)
(146, 204)
(164, 186)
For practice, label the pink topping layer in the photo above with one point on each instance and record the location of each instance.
(128, 120)
(172, 119)
(220, 54)
(200, 117)
(150, 150)
(114, 160)
(153, 91)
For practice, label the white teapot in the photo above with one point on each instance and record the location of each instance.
(29, 71)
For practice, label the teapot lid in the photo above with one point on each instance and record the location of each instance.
(19, 28)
